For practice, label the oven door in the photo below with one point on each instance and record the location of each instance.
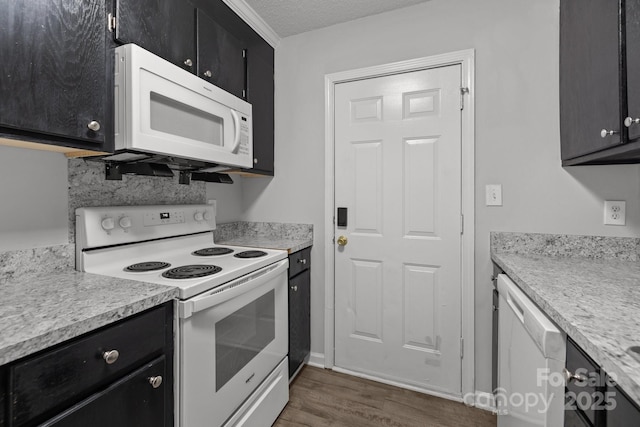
(231, 338)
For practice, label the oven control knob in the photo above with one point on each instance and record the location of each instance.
(198, 216)
(207, 216)
(125, 222)
(108, 223)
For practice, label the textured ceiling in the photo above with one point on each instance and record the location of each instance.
(289, 17)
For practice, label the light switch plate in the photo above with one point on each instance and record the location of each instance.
(493, 194)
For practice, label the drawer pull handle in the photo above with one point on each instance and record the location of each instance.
(110, 356)
(571, 377)
(295, 288)
(605, 133)
(155, 381)
(302, 261)
(631, 121)
(94, 125)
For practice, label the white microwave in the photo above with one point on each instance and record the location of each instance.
(165, 110)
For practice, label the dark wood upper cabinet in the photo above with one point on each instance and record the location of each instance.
(589, 83)
(599, 81)
(221, 58)
(57, 73)
(632, 57)
(260, 93)
(163, 27)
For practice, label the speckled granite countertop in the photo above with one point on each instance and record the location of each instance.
(595, 300)
(290, 245)
(268, 235)
(39, 310)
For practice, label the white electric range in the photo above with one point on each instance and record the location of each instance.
(232, 335)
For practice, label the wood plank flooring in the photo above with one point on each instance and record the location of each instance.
(320, 397)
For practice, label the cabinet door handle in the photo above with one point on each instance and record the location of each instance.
(110, 356)
(605, 133)
(295, 288)
(302, 261)
(570, 377)
(188, 62)
(208, 74)
(94, 125)
(629, 121)
(155, 381)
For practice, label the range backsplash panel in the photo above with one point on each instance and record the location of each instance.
(88, 187)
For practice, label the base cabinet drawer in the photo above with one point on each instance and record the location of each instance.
(136, 400)
(97, 366)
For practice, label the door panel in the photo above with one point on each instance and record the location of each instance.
(165, 28)
(398, 281)
(54, 56)
(220, 55)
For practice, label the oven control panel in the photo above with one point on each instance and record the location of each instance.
(162, 218)
(106, 226)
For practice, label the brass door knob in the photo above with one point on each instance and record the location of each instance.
(342, 241)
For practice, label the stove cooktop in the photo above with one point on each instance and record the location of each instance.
(190, 263)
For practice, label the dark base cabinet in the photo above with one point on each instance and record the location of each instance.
(132, 401)
(119, 375)
(596, 401)
(299, 309)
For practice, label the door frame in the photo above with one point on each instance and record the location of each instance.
(465, 58)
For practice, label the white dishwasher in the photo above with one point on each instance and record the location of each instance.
(531, 356)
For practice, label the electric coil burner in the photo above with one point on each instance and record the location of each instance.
(144, 267)
(232, 308)
(250, 254)
(218, 250)
(191, 271)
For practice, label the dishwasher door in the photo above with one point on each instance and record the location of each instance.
(531, 356)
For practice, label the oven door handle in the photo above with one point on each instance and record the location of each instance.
(231, 289)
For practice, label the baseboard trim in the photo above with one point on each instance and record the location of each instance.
(316, 360)
(399, 384)
(482, 400)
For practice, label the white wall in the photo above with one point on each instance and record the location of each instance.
(33, 199)
(517, 131)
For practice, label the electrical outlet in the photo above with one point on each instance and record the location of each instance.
(493, 194)
(615, 212)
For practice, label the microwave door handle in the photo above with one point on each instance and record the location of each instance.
(236, 128)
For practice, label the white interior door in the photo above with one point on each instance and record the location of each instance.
(398, 278)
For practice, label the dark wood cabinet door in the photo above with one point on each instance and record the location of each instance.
(299, 319)
(633, 65)
(260, 94)
(57, 73)
(220, 56)
(589, 76)
(132, 401)
(163, 27)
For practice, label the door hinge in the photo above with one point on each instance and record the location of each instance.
(461, 348)
(461, 223)
(111, 22)
(334, 220)
(463, 91)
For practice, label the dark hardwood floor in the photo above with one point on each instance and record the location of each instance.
(320, 397)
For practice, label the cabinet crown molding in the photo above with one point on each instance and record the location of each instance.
(255, 21)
